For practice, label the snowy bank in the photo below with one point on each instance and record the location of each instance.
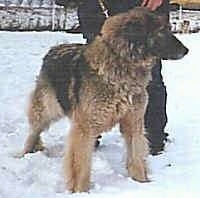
(174, 174)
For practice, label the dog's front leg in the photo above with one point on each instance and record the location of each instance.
(132, 127)
(77, 160)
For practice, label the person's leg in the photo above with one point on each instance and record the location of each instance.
(155, 116)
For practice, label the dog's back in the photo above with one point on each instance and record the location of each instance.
(63, 67)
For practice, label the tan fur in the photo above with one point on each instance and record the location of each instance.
(111, 89)
(121, 98)
(42, 110)
(77, 160)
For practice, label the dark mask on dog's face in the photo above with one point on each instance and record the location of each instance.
(165, 45)
(155, 36)
(145, 33)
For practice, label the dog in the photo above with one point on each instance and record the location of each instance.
(98, 85)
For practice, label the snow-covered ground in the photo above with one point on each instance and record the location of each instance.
(173, 173)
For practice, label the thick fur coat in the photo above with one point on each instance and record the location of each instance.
(99, 85)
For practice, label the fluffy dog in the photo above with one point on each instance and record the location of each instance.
(99, 85)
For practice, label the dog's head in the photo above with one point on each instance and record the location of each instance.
(144, 32)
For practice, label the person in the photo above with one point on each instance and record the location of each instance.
(91, 16)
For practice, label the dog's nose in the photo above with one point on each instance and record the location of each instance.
(182, 53)
(186, 51)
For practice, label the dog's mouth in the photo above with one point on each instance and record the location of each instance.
(176, 56)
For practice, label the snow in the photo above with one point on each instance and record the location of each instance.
(173, 173)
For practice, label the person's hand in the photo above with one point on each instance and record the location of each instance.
(152, 4)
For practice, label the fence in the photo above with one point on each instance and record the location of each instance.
(39, 15)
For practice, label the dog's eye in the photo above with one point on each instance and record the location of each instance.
(159, 31)
(164, 28)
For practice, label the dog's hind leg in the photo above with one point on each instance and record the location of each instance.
(43, 109)
(132, 127)
(77, 160)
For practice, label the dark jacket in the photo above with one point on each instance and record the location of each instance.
(91, 16)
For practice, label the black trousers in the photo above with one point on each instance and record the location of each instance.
(156, 116)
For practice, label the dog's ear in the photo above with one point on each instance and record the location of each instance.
(134, 31)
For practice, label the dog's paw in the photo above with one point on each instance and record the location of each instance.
(77, 188)
(39, 146)
(138, 171)
(77, 183)
(19, 154)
